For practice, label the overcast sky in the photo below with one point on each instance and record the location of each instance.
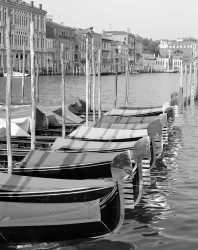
(155, 19)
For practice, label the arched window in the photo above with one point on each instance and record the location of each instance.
(12, 39)
(5, 15)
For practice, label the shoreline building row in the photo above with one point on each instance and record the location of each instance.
(116, 46)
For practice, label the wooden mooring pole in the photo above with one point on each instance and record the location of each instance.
(8, 95)
(116, 85)
(195, 81)
(185, 86)
(87, 80)
(99, 82)
(33, 87)
(63, 91)
(180, 95)
(189, 84)
(127, 81)
(23, 75)
(37, 78)
(94, 80)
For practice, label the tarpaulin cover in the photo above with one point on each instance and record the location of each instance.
(76, 105)
(15, 214)
(106, 134)
(42, 159)
(25, 111)
(128, 112)
(131, 126)
(74, 144)
(15, 129)
(125, 119)
(151, 108)
(70, 117)
(37, 184)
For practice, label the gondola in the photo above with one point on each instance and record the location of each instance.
(43, 210)
(89, 164)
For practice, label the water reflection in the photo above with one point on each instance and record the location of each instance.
(154, 207)
(86, 245)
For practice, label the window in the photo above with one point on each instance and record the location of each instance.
(5, 15)
(12, 39)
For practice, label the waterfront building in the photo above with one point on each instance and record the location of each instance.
(57, 34)
(21, 13)
(167, 63)
(106, 66)
(80, 51)
(119, 52)
(146, 63)
(184, 48)
(163, 46)
(133, 44)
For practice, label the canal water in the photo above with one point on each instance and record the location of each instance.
(167, 216)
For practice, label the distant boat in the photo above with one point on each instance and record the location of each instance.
(17, 74)
(171, 71)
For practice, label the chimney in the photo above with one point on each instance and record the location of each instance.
(40, 6)
(32, 3)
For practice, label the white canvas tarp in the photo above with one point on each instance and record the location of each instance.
(13, 214)
(106, 134)
(16, 128)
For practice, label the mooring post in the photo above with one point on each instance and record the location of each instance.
(87, 80)
(189, 84)
(37, 78)
(23, 75)
(99, 82)
(127, 79)
(195, 81)
(94, 80)
(116, 85)
(180, 101)
(63, 90)
(185, 86)
(8, 95)
(33, 87)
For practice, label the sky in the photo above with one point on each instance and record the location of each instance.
(153, 19)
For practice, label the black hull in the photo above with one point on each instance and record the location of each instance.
(93, 171)
(56, 196)
(111, 219)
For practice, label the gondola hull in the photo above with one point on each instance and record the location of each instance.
(77, 215)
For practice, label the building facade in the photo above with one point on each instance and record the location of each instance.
(56, 35)
(21, 13)
(127, 39)
(146, 63)
(106, 66)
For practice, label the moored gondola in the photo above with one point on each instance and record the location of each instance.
(41, 209)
